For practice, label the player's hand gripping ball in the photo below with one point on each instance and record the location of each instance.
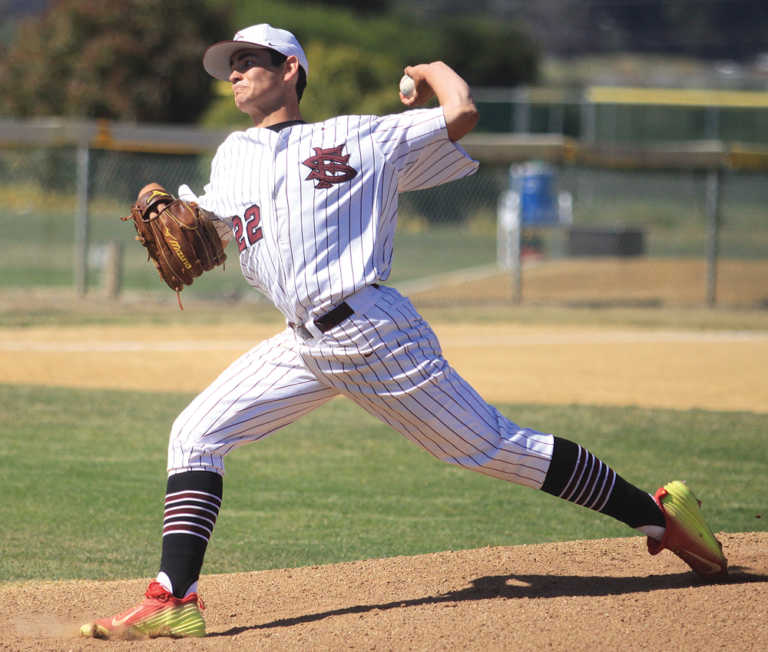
(180, 239)
(407, 87)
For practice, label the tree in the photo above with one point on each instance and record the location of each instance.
(486, 50)
(728, 29)
(11, 11)
(732, 29)
(489, 53)
(132, 60)
(356, 62)
(367, 7)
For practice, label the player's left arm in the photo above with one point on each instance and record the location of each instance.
(437, 79)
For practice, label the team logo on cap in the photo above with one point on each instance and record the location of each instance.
(329, 166)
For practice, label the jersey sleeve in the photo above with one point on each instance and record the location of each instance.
(210, 200)
(416, 144)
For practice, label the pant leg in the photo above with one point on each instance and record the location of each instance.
(265, 389)
(388, 360)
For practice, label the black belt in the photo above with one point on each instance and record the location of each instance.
(329, 320)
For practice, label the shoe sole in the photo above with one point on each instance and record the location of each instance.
(682, 505)
(185, 623)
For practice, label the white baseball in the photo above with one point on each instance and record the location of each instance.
(407, 87)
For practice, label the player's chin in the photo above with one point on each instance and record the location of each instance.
(241, 105)
(240, 96)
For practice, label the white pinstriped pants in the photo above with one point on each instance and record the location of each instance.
(388, 361)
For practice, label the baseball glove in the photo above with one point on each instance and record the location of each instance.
(180, 239)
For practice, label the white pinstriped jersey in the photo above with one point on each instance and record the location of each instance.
(315, 210)
(313, 207)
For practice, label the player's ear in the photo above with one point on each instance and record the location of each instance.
(291, 68)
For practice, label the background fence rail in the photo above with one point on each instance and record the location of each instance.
(64, 184)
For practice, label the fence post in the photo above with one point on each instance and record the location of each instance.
(521, 116)
(517, 262)
(588, 121)
(81, 220)
(508, 240)
(113, 269)
(714, 181)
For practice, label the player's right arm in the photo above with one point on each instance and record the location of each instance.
(452, 92)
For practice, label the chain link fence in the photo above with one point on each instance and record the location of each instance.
(447, 237)
(40, 209)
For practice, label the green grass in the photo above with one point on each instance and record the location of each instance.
(45, 257)
(439, 250)
(83, 477)
(20, 309)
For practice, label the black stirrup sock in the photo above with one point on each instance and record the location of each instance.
(578, 476)
(192, 502)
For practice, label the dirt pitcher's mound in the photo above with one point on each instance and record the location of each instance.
(604, 594)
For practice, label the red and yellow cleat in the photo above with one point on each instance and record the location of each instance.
(160, 614)
(687, 533)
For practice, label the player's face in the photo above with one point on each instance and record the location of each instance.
(256, 83)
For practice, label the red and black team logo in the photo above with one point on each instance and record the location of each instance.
(329, 166)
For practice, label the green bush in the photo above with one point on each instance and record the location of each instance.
(130, 60)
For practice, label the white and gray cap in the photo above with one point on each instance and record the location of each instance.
(216, 59)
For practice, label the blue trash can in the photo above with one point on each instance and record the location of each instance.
(536, 186)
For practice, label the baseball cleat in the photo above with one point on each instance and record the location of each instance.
(161, 614)
(687, 533)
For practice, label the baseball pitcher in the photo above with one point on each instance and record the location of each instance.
(311, 210)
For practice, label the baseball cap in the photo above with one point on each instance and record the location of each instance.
(217, 56)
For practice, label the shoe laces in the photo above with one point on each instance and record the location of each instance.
(157, 591)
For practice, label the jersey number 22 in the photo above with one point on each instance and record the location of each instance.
(248, 228)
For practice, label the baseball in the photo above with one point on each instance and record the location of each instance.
(407, 87)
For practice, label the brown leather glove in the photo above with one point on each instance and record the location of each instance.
(180, 239)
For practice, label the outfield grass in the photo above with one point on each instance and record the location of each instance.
(83, 474)
(38, 252)
(61, 308)
(37, 248)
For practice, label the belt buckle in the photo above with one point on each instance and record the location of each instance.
(303, 333)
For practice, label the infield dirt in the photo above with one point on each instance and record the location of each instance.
(592, 595)
(715, 370)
